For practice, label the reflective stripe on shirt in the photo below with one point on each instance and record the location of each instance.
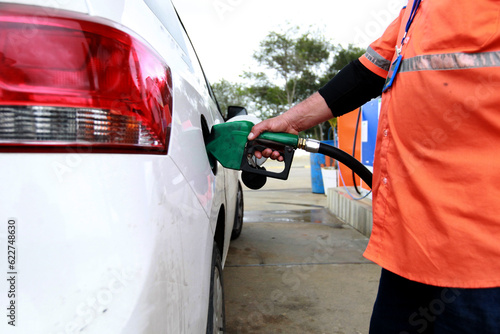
(377, 59)
(451, 61)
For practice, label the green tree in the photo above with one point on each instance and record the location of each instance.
(229, 94)
(342, 57)
(293, 65)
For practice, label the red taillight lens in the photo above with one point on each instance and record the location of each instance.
(69, 80)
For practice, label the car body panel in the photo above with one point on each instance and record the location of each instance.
(121, 243)
(126, 251)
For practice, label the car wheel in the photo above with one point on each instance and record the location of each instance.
(238, 216)
(216, 311)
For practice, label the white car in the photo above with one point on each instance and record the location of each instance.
(112, 217)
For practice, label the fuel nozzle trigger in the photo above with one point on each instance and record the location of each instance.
(249, 164)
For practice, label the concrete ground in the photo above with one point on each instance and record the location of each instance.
(296, 268)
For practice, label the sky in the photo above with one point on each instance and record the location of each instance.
(226, 33)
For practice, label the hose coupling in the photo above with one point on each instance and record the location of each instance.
(309, 145)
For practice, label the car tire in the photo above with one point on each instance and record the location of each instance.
(238, 216)
(216, 323)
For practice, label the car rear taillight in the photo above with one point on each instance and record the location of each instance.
(68, 80)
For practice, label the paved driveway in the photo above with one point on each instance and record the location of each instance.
(296, 268)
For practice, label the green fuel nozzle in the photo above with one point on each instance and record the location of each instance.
(229, 145)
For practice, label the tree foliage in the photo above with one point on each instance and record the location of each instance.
(292, 63)
(342, 57)
(292, 66)
(229, 94)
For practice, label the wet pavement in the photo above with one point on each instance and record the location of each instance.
(269, 237)
(296, 268)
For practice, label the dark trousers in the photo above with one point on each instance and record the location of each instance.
(403, 307)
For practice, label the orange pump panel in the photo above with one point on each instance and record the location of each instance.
(346, 126)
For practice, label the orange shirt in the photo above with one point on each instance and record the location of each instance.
(436, 198)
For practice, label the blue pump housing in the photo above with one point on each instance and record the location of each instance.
(369, 124)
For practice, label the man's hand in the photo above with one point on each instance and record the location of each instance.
(276, 124)
(303, 116)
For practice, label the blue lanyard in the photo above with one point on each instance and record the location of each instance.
(412, 14)
(414, 8)
(393, 71)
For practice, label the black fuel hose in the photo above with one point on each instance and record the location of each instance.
(348, 160)
(354, 150)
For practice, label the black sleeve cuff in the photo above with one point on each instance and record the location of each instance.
(352, 87)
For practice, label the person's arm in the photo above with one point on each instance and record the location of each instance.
(349, 89)
(354, 85)
(302, 116)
